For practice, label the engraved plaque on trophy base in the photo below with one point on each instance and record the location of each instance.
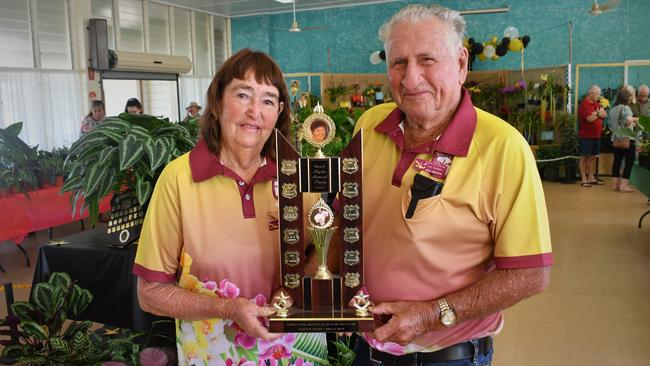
(305, 321)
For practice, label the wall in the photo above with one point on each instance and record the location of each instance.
(349, 35)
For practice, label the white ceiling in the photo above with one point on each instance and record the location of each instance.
(239, 8)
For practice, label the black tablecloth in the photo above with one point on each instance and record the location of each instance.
(104, 271)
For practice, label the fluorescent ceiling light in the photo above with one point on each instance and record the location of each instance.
(285, 1)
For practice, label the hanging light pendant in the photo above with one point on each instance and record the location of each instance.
(294, 25)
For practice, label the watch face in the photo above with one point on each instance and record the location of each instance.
(448, 318)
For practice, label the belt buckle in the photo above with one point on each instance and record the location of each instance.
(372, 351)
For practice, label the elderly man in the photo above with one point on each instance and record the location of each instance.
(642, 105)
(590, 125)
(456, 228)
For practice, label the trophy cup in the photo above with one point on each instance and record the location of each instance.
(321, 300)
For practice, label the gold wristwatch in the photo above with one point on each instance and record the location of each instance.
(447, 314)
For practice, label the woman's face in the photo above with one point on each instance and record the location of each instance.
(133, 109)
(98, 113)
(249, 113)
(319, 133)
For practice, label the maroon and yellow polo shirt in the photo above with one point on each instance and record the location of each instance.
(491, 213)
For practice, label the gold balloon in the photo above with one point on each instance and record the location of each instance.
(515, 45)
(482, 57)
(494, 40)
(495, 57)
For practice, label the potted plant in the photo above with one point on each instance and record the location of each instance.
(125, 152)
(42, 332)
(565, 125)
(548, 167)
(18, 161)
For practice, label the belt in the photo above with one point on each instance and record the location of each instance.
(456, 352)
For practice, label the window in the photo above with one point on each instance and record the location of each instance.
(53, 34)
(182, 39)
(104, 9)
(15, 35)
(202, 64)
(158, 29)
(220, 40)
(131, 26)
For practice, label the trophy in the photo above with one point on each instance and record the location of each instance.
(322, 301)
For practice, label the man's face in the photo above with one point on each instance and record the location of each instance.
(425, 77)
(594, 94)
(643, 96)
(249, 113)
(193, 111)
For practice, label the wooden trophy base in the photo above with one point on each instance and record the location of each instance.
(322, 312)
(307, 321)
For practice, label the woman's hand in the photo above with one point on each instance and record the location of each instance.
(245, 314)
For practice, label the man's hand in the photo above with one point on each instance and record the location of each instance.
(602, 113)
(246, 314)
(409, 320)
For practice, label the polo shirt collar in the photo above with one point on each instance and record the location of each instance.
(205, 165)
(456, 137)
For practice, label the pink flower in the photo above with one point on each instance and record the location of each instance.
(228, 289)
(244, 340)
(388, 347)
(242, 362)
(210, 285)
(277, 349)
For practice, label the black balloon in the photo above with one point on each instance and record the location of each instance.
(382, 55)
(501, 50)
(477, 48)
(525, 40)
(470, 41)
(505, 41)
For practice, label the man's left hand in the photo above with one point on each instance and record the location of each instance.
(409, 320)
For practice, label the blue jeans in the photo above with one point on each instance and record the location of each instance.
(363, 358)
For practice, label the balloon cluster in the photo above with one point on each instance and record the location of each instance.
(495, 48)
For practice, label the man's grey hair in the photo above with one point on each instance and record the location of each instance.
(593, 88)
(417, 13)
(643, 87)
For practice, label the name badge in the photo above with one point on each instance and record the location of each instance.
(438, 167)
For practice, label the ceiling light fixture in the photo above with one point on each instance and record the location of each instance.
(595, 9)
(294, 25)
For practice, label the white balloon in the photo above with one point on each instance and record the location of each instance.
(374, 58)
(489, 51)
(511, 32)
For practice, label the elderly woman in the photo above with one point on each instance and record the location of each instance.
(96, 115)
(209, 254)
(620, 117)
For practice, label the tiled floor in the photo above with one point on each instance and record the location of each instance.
(596, 310)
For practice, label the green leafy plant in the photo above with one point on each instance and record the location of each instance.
(344, 354)
(19, 165)
(335, 93)
(127, 151)
(41, 333)
(38, 331)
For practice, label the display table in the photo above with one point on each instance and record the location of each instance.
(640, 178)
(21, 214)
(104, 271)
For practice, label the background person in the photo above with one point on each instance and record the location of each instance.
(133, 106)
(621, 116)
(208, 253)
(590, 125)
(94, 117)
(642, 105)
(442, 274)
(192, 111)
